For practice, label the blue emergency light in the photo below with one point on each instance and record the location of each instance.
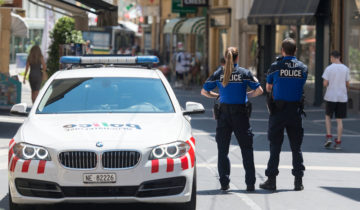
(109, 60)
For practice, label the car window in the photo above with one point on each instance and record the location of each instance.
(105, 95)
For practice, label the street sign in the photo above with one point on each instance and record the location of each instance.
(177, 7)
(197, 3)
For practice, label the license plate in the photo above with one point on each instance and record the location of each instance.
(99, 178)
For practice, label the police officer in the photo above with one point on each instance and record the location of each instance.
(232, 82)
(286, 78)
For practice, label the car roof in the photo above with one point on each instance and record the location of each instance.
(108, 72)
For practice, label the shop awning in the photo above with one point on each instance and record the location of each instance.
(283, 12)
(173, 26)
(35, 23)
(19, 27)
(193, 26)
(73, 9)
(98, 4)
(131, 26)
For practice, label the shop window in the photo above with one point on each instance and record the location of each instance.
(23, 45)
(222, 43)
(252, 52)
(353, 38)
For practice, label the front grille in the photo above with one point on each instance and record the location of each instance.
(123, 191)
(120, 159)
(78, 159)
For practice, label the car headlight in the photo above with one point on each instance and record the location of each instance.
(30, 152)
(172, 150)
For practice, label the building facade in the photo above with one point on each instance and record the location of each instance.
(318, 27)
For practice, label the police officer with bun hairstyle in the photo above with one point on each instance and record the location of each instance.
(232, 82)
(285, 81)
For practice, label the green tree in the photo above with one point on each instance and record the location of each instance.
(63, 33)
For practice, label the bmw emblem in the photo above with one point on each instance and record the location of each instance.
(99, 144)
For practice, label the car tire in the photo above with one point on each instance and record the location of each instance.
(191, 205)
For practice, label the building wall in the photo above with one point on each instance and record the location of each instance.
(4, 39)
(243, 34)
(214, 34)
(32, 10)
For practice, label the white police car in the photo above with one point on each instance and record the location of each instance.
(105, 134)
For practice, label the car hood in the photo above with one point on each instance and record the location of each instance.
(112, 130)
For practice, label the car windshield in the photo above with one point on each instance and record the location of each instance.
(105, 95)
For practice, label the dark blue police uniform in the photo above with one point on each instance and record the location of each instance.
(233, 118)
(288, 76)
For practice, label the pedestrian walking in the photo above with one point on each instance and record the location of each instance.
(336, 80)
(181, 66)
(36, 63)
(285, 81)
(232, 82)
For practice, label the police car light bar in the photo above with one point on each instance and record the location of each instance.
(109, 59)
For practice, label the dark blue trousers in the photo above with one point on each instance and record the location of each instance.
(287, 118)
(233, 119)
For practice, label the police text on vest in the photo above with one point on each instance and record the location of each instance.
(233, 78)
(291, 73)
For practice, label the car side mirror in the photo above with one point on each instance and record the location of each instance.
(193, 108)
(19, 109)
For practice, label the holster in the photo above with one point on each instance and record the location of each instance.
(216, 110)
(248, 109)
(301, 106)
(270, 103)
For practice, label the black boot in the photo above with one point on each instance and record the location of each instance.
(269, 184)
(298, 184)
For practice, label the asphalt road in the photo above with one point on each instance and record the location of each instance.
(331, 178)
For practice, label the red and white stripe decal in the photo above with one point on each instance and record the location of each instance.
(11, 151)
(41, 167)
(154, 166)
(170, 165)
(11, 141)
(192, 156)
(192, 140)
(25, 166)
(13, 163)
(192, 151)
(184, 162)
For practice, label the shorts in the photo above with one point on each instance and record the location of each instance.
(180, 76)
(339, 108)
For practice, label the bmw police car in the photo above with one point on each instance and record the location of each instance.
(104, 134)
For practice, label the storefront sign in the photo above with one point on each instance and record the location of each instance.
(151, 11)
(148, 2)
(12, 3)
(177, 7)
(197, 3)
(10, 91)
(222, 20)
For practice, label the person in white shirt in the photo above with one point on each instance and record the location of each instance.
(181, 65)
(336, 80)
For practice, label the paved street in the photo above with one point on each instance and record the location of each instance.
(331, 179)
